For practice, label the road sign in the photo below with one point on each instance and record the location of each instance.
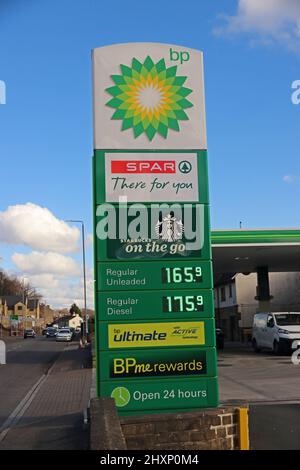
(155, 328)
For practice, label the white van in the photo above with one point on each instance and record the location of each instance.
(279, 331)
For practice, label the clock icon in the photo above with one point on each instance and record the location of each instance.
(121, 396)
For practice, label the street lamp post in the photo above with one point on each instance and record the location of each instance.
(1, 319)
(24, 316)
(85, 324)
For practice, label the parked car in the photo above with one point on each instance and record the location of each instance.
(64, 334)
(219, 338)
(51, 332)
(29, 333)
(276, 331)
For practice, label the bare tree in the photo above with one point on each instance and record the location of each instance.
(11, 285)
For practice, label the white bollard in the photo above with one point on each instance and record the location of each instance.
(2, 352)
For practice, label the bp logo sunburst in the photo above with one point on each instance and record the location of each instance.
(149, 98)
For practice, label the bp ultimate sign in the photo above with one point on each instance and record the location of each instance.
(155, 328)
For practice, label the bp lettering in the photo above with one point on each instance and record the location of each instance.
(131, 367)
(181, 56)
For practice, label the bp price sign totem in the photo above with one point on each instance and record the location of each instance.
(155, 335)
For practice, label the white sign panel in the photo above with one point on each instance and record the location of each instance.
(155, 177)
(148, 96)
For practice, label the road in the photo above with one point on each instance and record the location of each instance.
(270, 385)
(251, 377)
(274, 426)
(27, 361)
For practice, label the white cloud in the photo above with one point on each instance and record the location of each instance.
(46, 263)
(89, 240)
(61, 292)
(272, 20)
(36, 227)
(56, 277)
(73, 293)
(289, 178)
(43, 281)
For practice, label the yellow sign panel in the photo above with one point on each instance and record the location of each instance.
(156, 334)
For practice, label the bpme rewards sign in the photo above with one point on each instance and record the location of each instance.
(155, 329)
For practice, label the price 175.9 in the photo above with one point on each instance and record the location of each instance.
(182, 303)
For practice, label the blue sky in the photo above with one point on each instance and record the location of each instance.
(253, 127)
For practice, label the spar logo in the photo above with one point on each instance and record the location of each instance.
(149, 166)
(149, 98)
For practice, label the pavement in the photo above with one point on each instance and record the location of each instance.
(27, 361)
(44, 390)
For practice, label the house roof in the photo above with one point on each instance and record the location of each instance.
(32, 303)
(11, 300)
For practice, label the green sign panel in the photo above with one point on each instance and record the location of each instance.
(137, 364)
(149, 305)
(157, 335)
(176, 236)
(160, 395)
(154, 320)
(158, 275)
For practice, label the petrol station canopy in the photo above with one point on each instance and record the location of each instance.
(242, 251)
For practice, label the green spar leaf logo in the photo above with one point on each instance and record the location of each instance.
(149, 98)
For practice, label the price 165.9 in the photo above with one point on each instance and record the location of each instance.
(179, 275)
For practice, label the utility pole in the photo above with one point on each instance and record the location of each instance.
(85, 323)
